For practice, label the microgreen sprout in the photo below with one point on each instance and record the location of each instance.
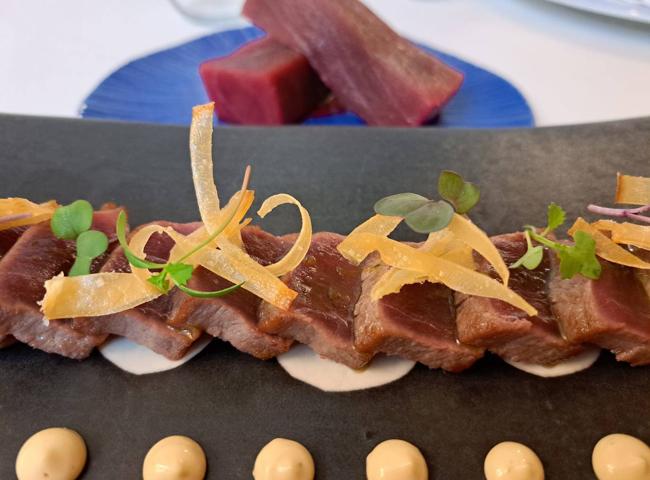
(73, 222)
(579, 258)
(426, 216)
(179, 272)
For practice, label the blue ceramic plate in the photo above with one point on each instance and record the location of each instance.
(162, 88)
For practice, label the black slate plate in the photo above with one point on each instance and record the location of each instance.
(233, 404)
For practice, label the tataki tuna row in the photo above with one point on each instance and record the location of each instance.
(334, 312)
(69, 278)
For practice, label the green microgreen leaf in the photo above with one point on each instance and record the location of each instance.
(400, 205)
(531, 259)
(81, 266)
(160, 281)
(219, 293)
(461, 194)
(180, 273)
(580, 258)
(69, 221)
(133, 259)
(90, 245)
(556, 218)
(430, 217)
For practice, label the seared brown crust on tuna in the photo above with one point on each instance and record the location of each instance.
(322, 316)
(7, 240)
(146, 324)
(9, 237)
(506, 330)
(418, 323)
(233, 318)
(612, 312)
(36, 257)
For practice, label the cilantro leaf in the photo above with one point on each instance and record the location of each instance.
(580, 258)
(556, 218)
(160, 281)
(180, 273)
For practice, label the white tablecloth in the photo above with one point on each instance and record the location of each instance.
(573, 67)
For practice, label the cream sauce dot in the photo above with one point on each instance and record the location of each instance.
(52, 454)
(283, 459)
(396, 460)
(175, 458)
(621, 457)
(512, 461)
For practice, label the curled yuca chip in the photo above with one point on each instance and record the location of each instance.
(202, 169)
(230, 261)
(626, 233)
(440, 244)
(606, 248)
(464, 230)
(18, 212)
(456, 277)
(101, 293)
(300, 247)
(234, 265)
(632, 190)
(381, 225)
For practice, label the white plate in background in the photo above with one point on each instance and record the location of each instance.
(635, 10)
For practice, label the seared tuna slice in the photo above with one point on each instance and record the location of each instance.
(418, 323)
(8, 238)
(263, 83)
(373, 71)
(612, 312)
(322, 316)
(148, 323)
(506, 330)
(36, 257)
(233, 318)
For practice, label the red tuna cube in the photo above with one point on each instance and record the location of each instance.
(263, 83)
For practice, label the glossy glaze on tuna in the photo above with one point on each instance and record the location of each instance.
(148, 323)
(322, 316)
(418, 323)
(612, 312)
(506, 330)
(233, 318)
(36, 257)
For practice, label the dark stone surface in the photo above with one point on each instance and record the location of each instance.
(233, 404)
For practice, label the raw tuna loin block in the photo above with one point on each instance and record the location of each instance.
(373, 71)
(263, 83)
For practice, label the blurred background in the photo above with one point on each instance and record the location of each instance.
(571, 65)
